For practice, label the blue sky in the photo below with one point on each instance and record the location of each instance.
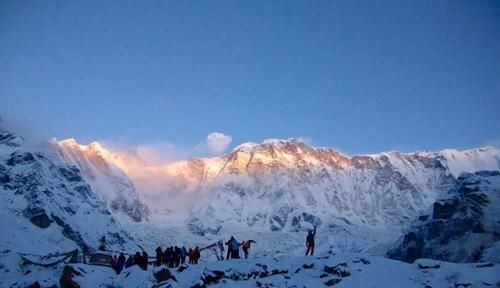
(361, 76)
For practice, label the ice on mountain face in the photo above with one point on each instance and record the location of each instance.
(463, 226)
(106, 179)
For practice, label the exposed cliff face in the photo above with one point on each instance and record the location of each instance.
(46, 206)
(108, 181)
(462, 227)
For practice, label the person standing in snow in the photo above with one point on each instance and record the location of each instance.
(310, 241)
(120, 263)
(235, 248)
(190, 255)
(196, 254)
(129, 262)
(221, 250)
(112, 262)
(137, 259)
(177, 256)
(228, 244)
(159, 256)
(145, 260)
(183, 255)
(246, 247)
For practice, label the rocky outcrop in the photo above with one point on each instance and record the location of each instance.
(461, 226)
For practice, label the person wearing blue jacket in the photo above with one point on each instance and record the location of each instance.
(234, 245)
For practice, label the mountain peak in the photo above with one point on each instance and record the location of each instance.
(276, 143)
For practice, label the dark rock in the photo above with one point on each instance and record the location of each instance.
(213, 277)
(164, 275)
(72, 174)
(308, 266)
(421, 266)
(4, 176)
(362, 260)
(305, 220)
(35, 285)
(277, 271)
(19, 158)
(69, 232)
(338, 270)
(485, 265)
(182, 268)
(66, 280)
(423, 218)
(333, 281)
(444, 209)
(37, 216)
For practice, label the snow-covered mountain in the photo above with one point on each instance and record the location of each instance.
(463, 226)
(289, 186)
(46, 206)
(107, 180)
(286, 185)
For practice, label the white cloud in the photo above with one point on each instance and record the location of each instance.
(217, 142)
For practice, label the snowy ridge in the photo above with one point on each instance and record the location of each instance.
(106, 179)
(46, 206)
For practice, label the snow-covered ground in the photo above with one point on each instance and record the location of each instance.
(343, 270)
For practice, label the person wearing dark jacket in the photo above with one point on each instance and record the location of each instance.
(120, 263)
(129, 262)
(196, 254)
(145, 260)
(138, 259)
(310, 241)
(234, 245)
(159, 256)
(190, 255)
(228, 244)
(177, 256)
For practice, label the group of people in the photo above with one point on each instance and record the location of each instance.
(176, 256)
(121, 262)
(233, 248)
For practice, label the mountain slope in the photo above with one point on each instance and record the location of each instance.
(46, 206)
(106, 179)
(286, 185)
(463, 225)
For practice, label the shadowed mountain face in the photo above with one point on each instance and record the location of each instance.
(464, 225)
(46, 205)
